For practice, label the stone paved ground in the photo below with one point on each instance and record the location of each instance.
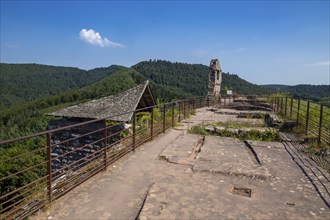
(169, 179)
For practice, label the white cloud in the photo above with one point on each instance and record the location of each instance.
(95, 38)
(200, 53)
(241, 49)
(323, 63)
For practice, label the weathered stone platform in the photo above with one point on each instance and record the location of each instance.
(184, 176)
(277, 189)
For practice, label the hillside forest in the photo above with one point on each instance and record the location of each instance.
(29, 91)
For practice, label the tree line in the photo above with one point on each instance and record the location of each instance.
(315, 93)
(60, 87)
(29, 91)
(21, 83)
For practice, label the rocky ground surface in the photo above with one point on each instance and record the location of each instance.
(185, 176)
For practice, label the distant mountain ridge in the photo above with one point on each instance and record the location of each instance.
(277, 87)
(192, 78)
(51, 88)
(20, 83)
(316, 93)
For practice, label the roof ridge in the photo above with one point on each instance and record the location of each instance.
(128, 99)
(144, 83)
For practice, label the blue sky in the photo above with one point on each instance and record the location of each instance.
(264, 42)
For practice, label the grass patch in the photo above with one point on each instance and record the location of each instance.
(240, 130)
(199, 130)
(240, 124)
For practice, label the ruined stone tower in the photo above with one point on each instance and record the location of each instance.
(214, 86)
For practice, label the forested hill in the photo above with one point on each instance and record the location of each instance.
(189, 78)
(192, 78)
(20, 83)
(316, 93)
(30, 117)
(168, 81)
(59, 87)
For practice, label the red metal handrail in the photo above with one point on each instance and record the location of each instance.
(19, 201)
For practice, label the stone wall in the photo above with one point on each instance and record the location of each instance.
(65, 151)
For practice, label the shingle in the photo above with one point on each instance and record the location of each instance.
(109, 106)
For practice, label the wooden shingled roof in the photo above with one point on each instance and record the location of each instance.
(130, 100)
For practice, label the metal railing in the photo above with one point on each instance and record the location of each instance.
(29, 179)
(313, 118)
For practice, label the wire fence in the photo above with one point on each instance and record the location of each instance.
(60, 159)
(313, 118)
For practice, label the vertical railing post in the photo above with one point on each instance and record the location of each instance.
(291, 104)
(286, 105)
(275, 103)
(134, 130)
(307, 117)
(189, 108)
(184, 109)
(49, 168)
(278, 104)
(105, 133)
(173, 115)
(320, 125)
(193, 106)
(282, 105)
(298, 110)
(271, 102)
(164, 118)
(179, 103)
(200, 102)
(152, 124)
(208, 101)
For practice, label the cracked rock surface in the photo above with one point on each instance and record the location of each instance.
(161, 180)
